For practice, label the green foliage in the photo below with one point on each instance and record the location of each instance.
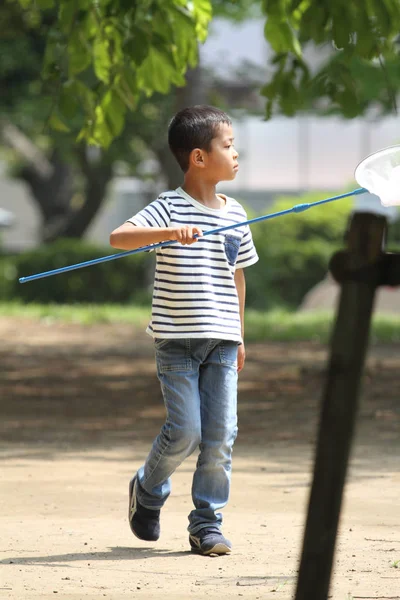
(236, 10)
(393, 239)
(294, 251)
(122, 280)
(8, 273)
(359, 41)
(101, 56)
(294, 255)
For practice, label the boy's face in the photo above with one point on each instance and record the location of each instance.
(220, 163)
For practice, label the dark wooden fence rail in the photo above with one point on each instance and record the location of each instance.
(360, 270)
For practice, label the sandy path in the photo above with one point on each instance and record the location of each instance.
(78, 410)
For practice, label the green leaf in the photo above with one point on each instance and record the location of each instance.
(26, 3)
(387, 14)
(290, 99)
(114, 112)
(275, 9)
(161, 24)
(43, 4)
(137, 46)
(79, 57)
(116, 53)
(68, 103)
(90, 25)
(56, 123)
(84, 95)
(53, 51)
(84, 134)
(101, 134)
(158, 72)
(126, 86)
(186, 42)
(313, 23)
(66, 15)
(202, 13)
(340, 34)
(349, 104)
(281, 37)
(297, 8)
(101, 58)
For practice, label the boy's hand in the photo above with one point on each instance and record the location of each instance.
(185, 234)
(241, 356)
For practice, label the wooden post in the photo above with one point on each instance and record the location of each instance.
(359, 270)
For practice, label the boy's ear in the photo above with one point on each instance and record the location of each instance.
(197, 158)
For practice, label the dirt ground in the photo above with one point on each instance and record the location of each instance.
(79, 407)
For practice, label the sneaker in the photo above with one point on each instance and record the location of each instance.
(144, 523)
(209, 540)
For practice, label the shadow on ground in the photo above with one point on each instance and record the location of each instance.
(65, 387)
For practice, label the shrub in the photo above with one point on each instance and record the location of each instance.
(294, 255)
(122, 280)
(294, 251)
(8, 273)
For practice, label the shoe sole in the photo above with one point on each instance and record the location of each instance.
(219, 549)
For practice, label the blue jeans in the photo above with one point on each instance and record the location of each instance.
(199, 384)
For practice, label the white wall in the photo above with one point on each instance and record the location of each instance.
(14, 198)
(298, 152)
(306, 152)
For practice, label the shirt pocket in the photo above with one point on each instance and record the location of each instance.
(232, 245)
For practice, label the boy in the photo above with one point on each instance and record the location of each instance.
(197, 326)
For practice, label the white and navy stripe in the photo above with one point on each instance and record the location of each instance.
(194, 288)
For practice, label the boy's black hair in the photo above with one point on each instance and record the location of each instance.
(194, 127)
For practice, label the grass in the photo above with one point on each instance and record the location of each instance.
(84, 314)
(260, 326)
(293, 326)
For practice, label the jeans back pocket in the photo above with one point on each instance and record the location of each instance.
(232, 245)
(173, 355)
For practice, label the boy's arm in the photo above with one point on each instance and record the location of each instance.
(129, 236)
(240, 283)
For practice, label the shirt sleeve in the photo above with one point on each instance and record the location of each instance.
(247, 254)
(156, 214)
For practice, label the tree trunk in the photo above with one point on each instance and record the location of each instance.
(54, 195)
(19, 142)
(97, 176)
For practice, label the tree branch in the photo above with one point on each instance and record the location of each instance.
(17, 140)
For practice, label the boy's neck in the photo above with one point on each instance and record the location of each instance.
(202, 191)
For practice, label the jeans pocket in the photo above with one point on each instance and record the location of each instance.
(228, 353)
(232, 244)
(160, 342)
(173, 355)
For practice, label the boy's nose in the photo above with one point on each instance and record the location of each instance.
(235, 153)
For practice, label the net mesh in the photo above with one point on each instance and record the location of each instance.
(380, 175)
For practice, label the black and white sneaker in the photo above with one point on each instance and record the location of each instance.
(209, 540)
(144, 523)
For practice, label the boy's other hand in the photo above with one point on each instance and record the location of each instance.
(185, 234)
(241, 357)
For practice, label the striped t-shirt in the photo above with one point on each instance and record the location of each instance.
(194, 292)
